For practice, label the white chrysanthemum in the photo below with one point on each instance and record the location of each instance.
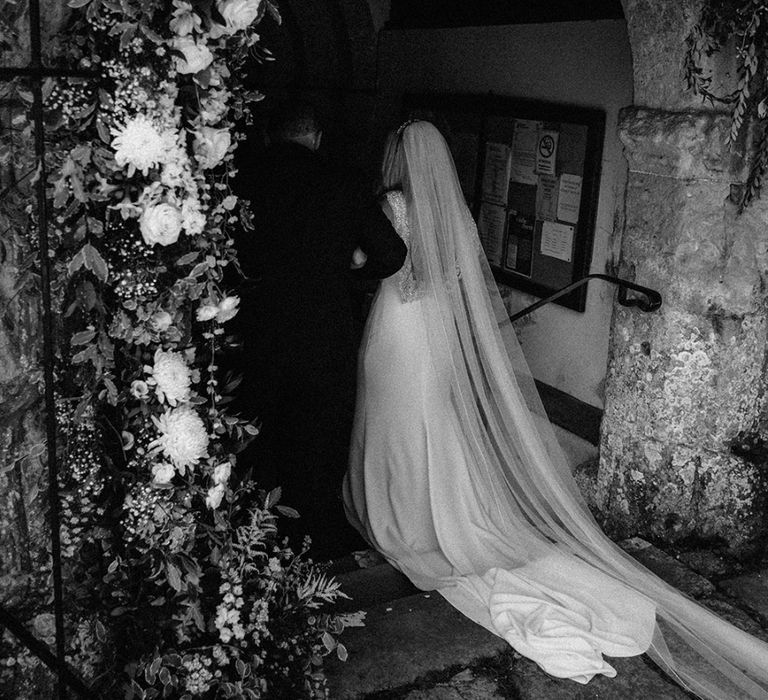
(139, 145)
(172, 376)
(183, 439)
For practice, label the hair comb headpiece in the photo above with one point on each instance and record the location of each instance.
(405, 124)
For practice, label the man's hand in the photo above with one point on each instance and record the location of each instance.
(358, 259)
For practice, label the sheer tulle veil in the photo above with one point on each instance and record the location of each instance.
(515, 454)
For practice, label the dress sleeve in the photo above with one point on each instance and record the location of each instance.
(384, 248)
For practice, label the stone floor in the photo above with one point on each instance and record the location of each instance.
(414, 646)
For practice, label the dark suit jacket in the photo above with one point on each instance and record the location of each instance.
(295, 314)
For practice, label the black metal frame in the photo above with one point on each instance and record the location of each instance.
(36, 72)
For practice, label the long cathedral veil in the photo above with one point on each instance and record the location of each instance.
(514, 452)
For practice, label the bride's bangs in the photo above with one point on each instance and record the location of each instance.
(393, 164)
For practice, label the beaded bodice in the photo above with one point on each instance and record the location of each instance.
(404, 277)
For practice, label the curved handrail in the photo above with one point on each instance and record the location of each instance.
(651, 302)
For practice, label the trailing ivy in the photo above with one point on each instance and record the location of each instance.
(739, 25)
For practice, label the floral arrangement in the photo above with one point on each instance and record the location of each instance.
(177, 577)
(738, 25)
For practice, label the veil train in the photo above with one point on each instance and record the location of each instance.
(507, 538)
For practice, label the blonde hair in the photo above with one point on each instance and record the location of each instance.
(393, 163)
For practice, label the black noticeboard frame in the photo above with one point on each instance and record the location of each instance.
(522, 259)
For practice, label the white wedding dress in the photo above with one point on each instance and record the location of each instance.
(456, 477)
(410, 492)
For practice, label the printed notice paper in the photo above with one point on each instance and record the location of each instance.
(520, 243)
(556, 240)
(524, 144)
(490, 228)
(546, 198)
(546, 152)
(569, 198)
(496, 174)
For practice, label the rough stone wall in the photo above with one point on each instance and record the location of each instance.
(682, 447)
(23, 531)
(24, 534)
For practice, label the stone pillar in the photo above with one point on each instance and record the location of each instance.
(682, 445)
(24, 533)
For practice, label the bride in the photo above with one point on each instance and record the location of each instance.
(456, 477)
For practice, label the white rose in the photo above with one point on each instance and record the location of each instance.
(229, 202)
(222, 472)
(160, 223)
(211, 145)
(161, 321)
(227, 309)
(215, 494)
(140, 389)
(238, 14)
(197, 57)
(162, 473)
(207, 312)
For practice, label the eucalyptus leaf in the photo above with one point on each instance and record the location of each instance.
(174, 576)
(83, 337)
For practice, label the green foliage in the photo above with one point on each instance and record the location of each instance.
(739, 25)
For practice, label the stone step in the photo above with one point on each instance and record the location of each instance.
(402, 641)
(371, 586)
(751, 590)
(410, 635)
(408, 639)
(636, 679)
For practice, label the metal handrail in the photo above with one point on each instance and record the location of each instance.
(651, 302)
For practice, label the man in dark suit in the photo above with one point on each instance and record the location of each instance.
(296, 320)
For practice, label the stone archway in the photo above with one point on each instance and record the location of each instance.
(682, 451)
(684, 400)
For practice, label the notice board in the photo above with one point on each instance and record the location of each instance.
(530, 172)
